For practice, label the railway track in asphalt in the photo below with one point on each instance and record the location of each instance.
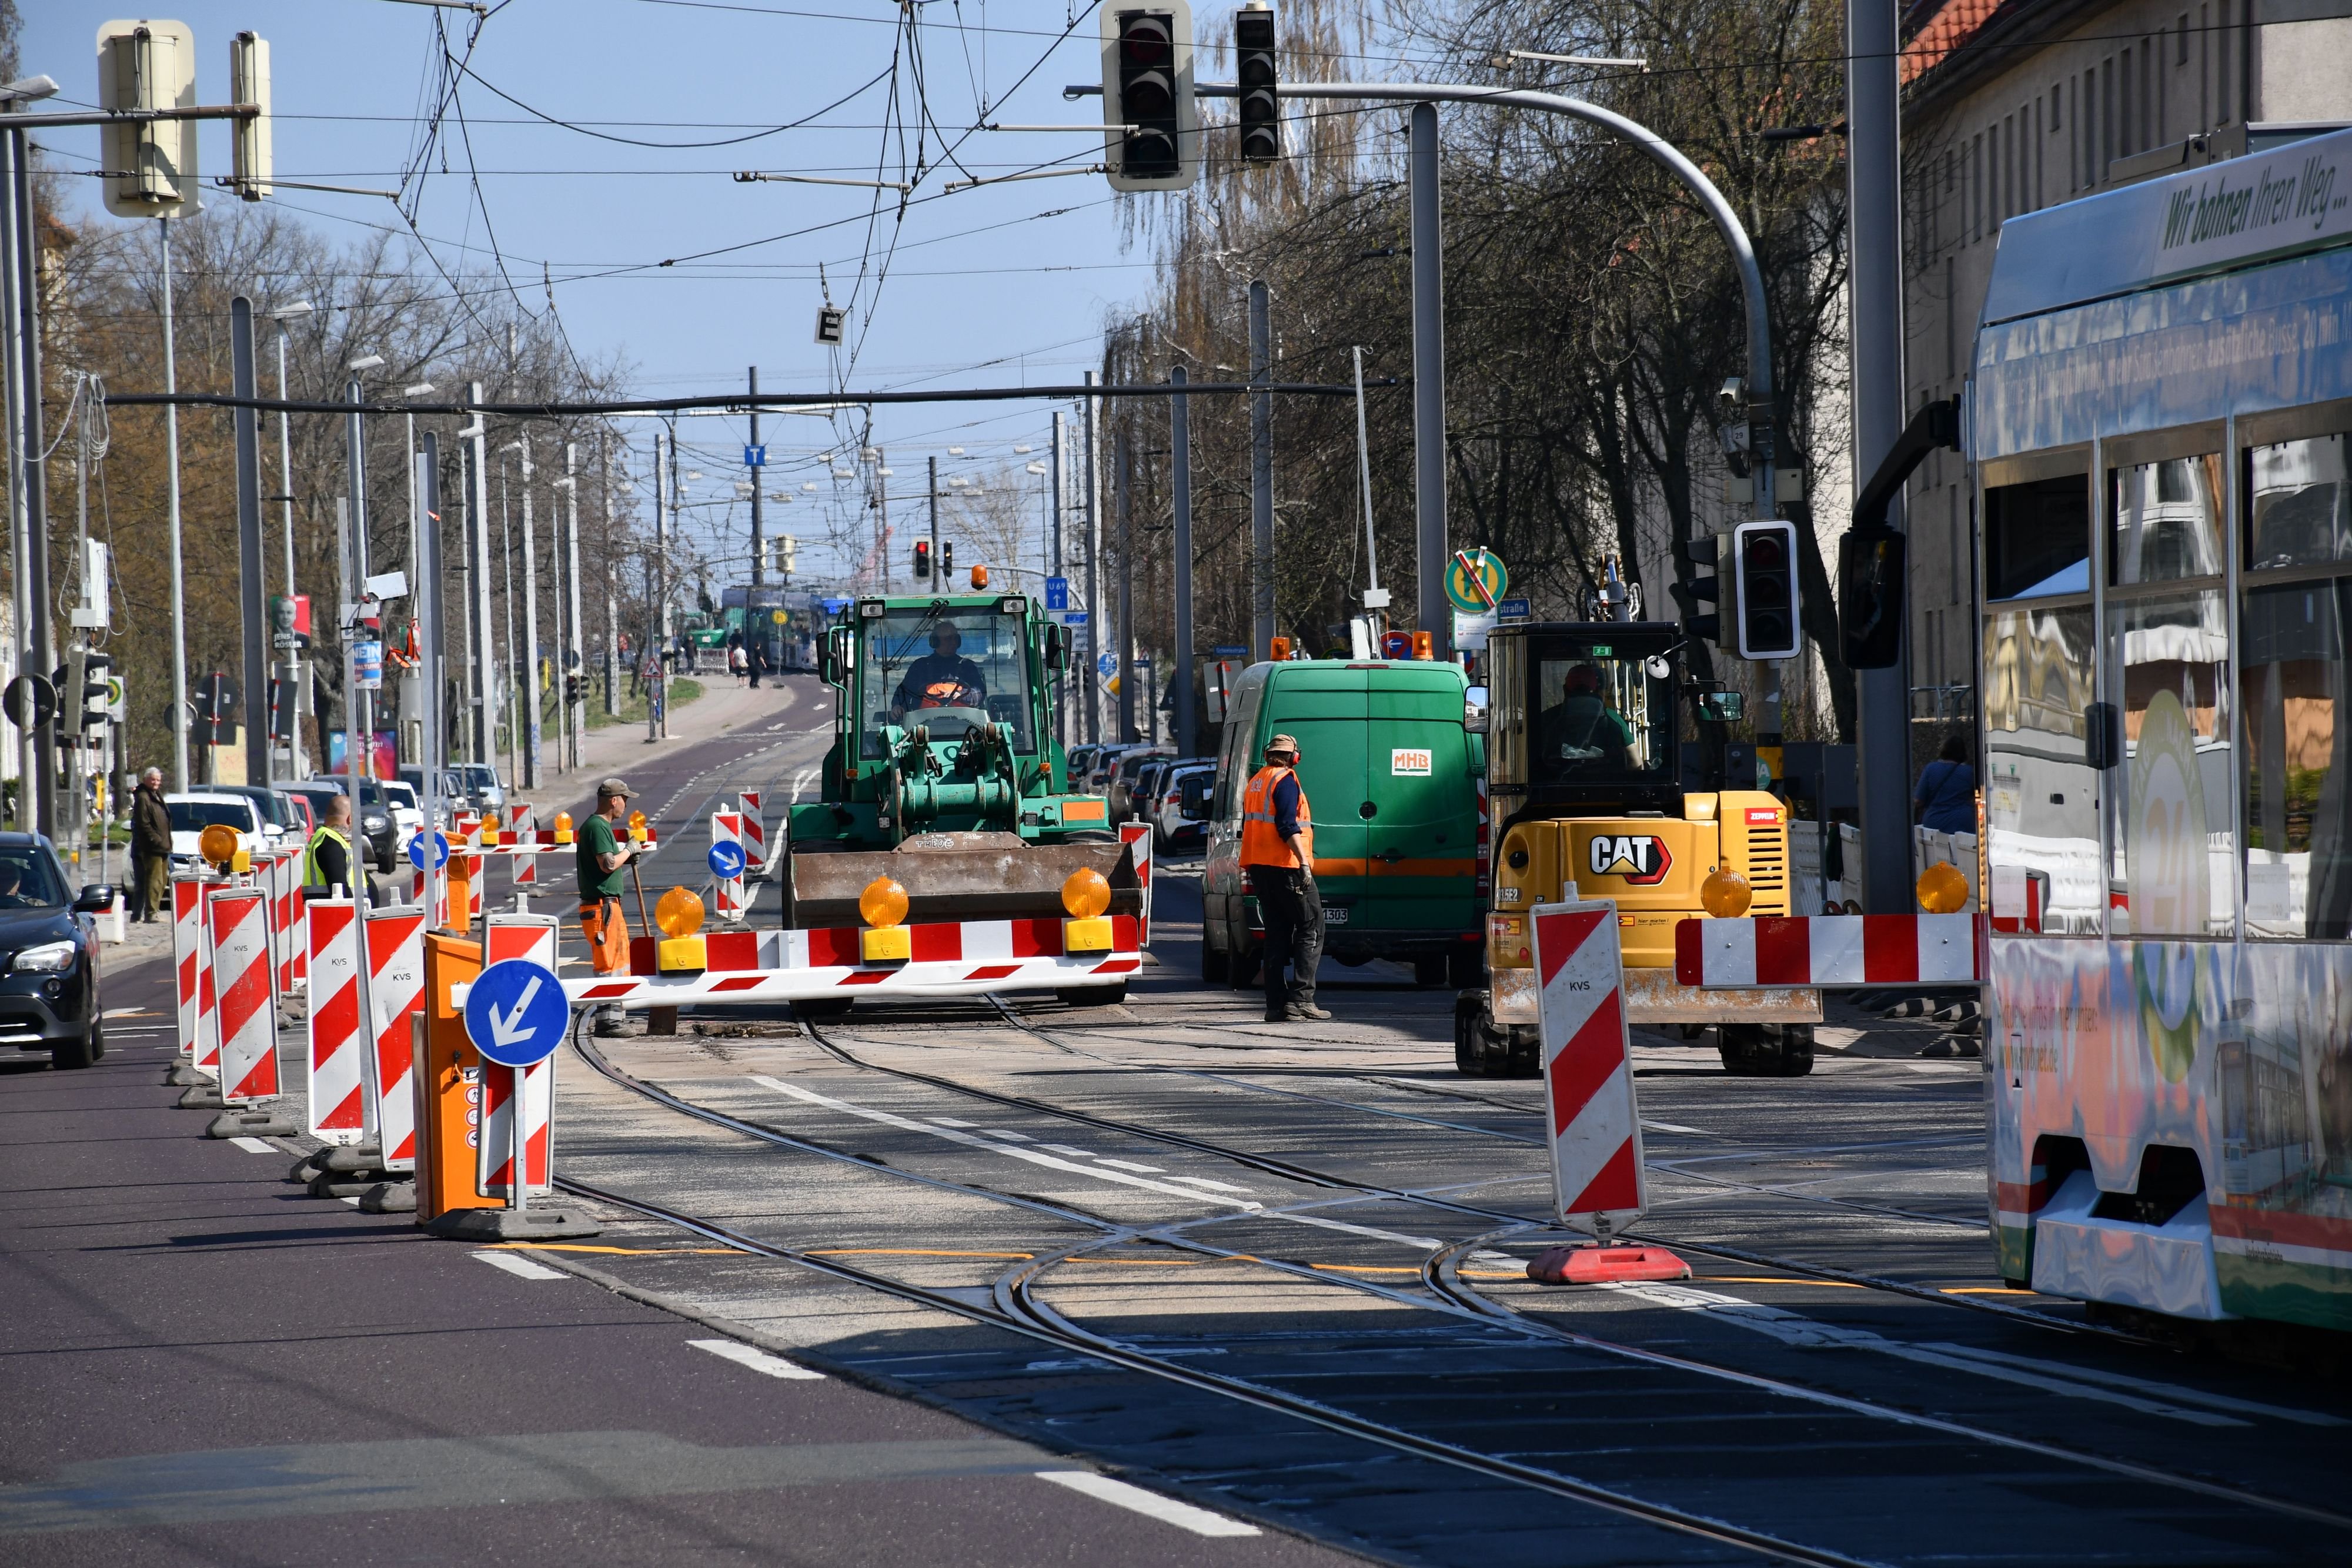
(1015, 1300)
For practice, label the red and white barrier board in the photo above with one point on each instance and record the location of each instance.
(1597, 1177)
(727, 903)
(530, 937)
(1137, 837)
(1828, 950)
(755, 829)
(395, 941)
(190, 968)
(236, 921)
(337, 1072)
(526, 867)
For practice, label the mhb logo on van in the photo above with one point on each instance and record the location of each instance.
(1642, 859)
(1410, 762)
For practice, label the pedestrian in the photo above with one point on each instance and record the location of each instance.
(1278, 856)
(1945, 799)
(327, 858)
(737, 666)
(151, 845)
(601, 857)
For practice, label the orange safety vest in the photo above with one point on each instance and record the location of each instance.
(1261, 844)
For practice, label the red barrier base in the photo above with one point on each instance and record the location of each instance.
(1593, 1263)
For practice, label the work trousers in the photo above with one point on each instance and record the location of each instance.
(607, 931)
(1292, 907)
(154, 889)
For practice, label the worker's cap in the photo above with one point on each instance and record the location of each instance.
(1282, 743)
(613, 789)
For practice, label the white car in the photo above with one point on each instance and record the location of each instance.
(194, 812)
(1174, 825)
(407, 816)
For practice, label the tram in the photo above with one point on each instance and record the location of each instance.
(2157, 425)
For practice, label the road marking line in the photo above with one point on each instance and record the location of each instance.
(254, 1146)
(1131, 1166)
(1065, 1149)
(1167, 1511)
(756, 1359)
(352, 1201)
(948, 1122)
(1669, 1127)
(1424, 1242)
(1031, 1156)
(520, 1268)
(1010, 1137)
(1204, 1181)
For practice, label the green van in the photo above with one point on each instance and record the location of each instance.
(1396, 781)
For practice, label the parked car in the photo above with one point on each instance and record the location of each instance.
(194, 812)
(306, 820)
(1140, 785)
(1079, 763)
(375, 823)
(407, 816)
(452, 788)
(1119, 784)
(1179, 810)
(48, 989)
(483, 790)
(1106, 757)
(281, 819)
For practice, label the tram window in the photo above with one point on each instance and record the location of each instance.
(2173, 839)
(2299, 504)
(2038, 539)
(2297, 692)
(2042, 795)
(2167, 519)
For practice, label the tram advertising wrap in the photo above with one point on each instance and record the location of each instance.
(2160, 418)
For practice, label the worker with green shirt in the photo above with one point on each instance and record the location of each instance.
(603, 854)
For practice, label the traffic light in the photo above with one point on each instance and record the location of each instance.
(1153, 130)
(97, 694)
(1764, 591)
(72, 690)
(148, 66)
(571, 690)
(947, 558)
(1261, 116)
(922, 557)
(248, 82)
(1699, 590)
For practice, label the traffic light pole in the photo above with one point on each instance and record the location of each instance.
(754, 644)
(1261, 365)
(252, 602)
(572, 657)
(1123, 495)
(1431, 610)
(1179, 432)
(1089, 683)
(34, 633)
(531, 722)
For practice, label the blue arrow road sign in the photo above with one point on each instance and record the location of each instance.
(726, 860)
(516, 1014)
(755, 456)
(1057, 593)
(440, 850)
(1107, 665)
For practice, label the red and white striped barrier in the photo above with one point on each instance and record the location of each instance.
(969, 958)
(192, 973)
(727, 902)
(337, 1074)
(1137, 837)
(755, 829)
(236, 920)
(395, 942)
(530, 937)
(526, 867)
(1827, 950)
(537, 841)
(1597, 1178)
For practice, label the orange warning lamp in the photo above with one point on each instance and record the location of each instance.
(1425, 645)
(217, 843)
(1086, 894)
(636, 827)
(562, 827)
(1726, 895)
(679, 916)
(1942, 889)
(886, 939)
(979, 578)
(1279, 650)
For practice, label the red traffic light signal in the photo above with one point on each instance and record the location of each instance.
(922, 557)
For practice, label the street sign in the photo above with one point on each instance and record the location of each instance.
(29, 701)
(1230, 651)
(1074, 617)
(726, 860)
(515, 1013)
(440, 850)
(755, 456)
(1514, 610)
(1475, 580)
(1107, 665)
(1057, 593)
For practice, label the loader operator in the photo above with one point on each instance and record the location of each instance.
(1581, 730)
(941, 678)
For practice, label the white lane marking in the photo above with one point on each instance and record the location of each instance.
(1011, 1136)
(1424, 1242)
(948, 1122)
(1794, 1328)
(352, 1201)
(1167, 1511)
(2152, 1385)
(1131, 1166)
(129, 1013)
(756, 1359)
(1669, 1127)
(909, 1125)
(520, 1268)
(254, 1146)
(801, 781)
(1065, 1149)
(1219, 1186)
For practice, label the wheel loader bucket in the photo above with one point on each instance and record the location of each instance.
(951, 877)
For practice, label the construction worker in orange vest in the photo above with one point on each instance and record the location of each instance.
(1278, 857)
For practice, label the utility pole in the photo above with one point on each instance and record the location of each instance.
(1874, 221)
(434, 755)
(656, 633)
(1431, 613)
(252, 600)
(290, 672)
(1095, 638)
(1179, 459)
(611, 583)
(1057, 483)
(1123, 487)
(180, 716)
(755, 645)
(1261, 368)
(353, 526)
(38, 641)
(882, 514)
(572, 659)
(478, 510)
(531, 734)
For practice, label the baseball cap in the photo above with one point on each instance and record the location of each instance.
(1282, 743)
(613, 786)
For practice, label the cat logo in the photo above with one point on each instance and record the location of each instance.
(1641, 859)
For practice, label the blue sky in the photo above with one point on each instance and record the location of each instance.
(990, 286)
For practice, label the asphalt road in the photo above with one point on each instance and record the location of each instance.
(1274, 1272)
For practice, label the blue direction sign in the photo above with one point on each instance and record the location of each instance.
(1057, 593)
(726, 860)
(755, 456)
(1514, 609)
(1074, 617)
(440, 850)
(516, 1014)
(1107, 665)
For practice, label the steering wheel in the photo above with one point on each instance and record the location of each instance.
(973, 718)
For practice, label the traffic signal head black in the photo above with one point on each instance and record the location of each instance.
(1764, 568)
(922, 557)
(571, 689)
(947, 558)
(1261, 117)
(1153, 141)
(1870, 597)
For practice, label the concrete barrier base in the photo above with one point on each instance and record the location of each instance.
(389, 1197)
(513, 1224)
(249, 1125)
(204, 1096)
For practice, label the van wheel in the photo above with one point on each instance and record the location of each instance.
(1215, 960)
(1429, 971)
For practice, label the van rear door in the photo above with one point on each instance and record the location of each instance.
(1422, 840)
(1323, 706)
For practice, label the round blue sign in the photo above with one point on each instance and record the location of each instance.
(516, 1014)
(726, 860)
(440, 850)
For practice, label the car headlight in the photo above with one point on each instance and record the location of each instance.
(48, 959)
(374, 822)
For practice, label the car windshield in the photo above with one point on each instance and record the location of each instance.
(402, 795)
(195, 816)
(952, 671)
(477, 776)
(1600, 716)
(271, 806)
(371, 792)
(28, 878)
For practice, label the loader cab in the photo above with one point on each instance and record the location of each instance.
(952, 665)
(1582, 717)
